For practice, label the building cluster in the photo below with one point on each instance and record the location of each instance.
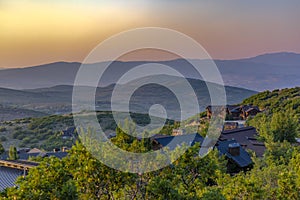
(234, 144)
(234, 112)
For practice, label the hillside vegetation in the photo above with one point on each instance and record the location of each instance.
(277, 100)
(46, 132)
(280, 120)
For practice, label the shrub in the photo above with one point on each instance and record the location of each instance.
(20, 136)
(2, 129)
(27, 140)
(3, 138)
(18, 128)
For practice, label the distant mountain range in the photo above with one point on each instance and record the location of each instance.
(281, 59)
(264, 72)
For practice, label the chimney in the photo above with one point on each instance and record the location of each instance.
(64, 149)
(234, 149)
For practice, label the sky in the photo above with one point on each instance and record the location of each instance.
(34, 32)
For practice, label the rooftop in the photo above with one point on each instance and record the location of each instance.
(242, 160)
(247, 137)
(8, 177)
(173, 141)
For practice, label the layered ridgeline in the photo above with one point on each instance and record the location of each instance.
(58, 99)
(269, 71)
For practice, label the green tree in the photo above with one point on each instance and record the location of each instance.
(187, 177)
(12, 154)
(125, 139)
(284, 126)
(213, 193)
(50, 180)
(2, 150)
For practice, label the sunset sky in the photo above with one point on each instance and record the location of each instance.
(34, 32)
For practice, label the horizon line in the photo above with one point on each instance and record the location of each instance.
(162, 60)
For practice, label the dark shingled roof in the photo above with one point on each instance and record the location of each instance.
(189, 139)
(8, 177)
(247, 137)
(242, 160)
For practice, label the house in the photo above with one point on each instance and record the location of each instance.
(8, 177)
(235, 112)
(69, 133)
(210, 110)
(234, 153)
(248, 110)
(247, 137)
(10, 170)
(231, 149)
(34, 150)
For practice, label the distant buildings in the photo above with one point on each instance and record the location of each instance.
(69, 133)
(25, 154)
(235, 112)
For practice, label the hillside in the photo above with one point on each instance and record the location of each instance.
(277, 100)
(58, 99)
(46, 132)
(11, 113)
(270, 102)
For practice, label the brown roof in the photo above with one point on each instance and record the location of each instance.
(35, 150)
